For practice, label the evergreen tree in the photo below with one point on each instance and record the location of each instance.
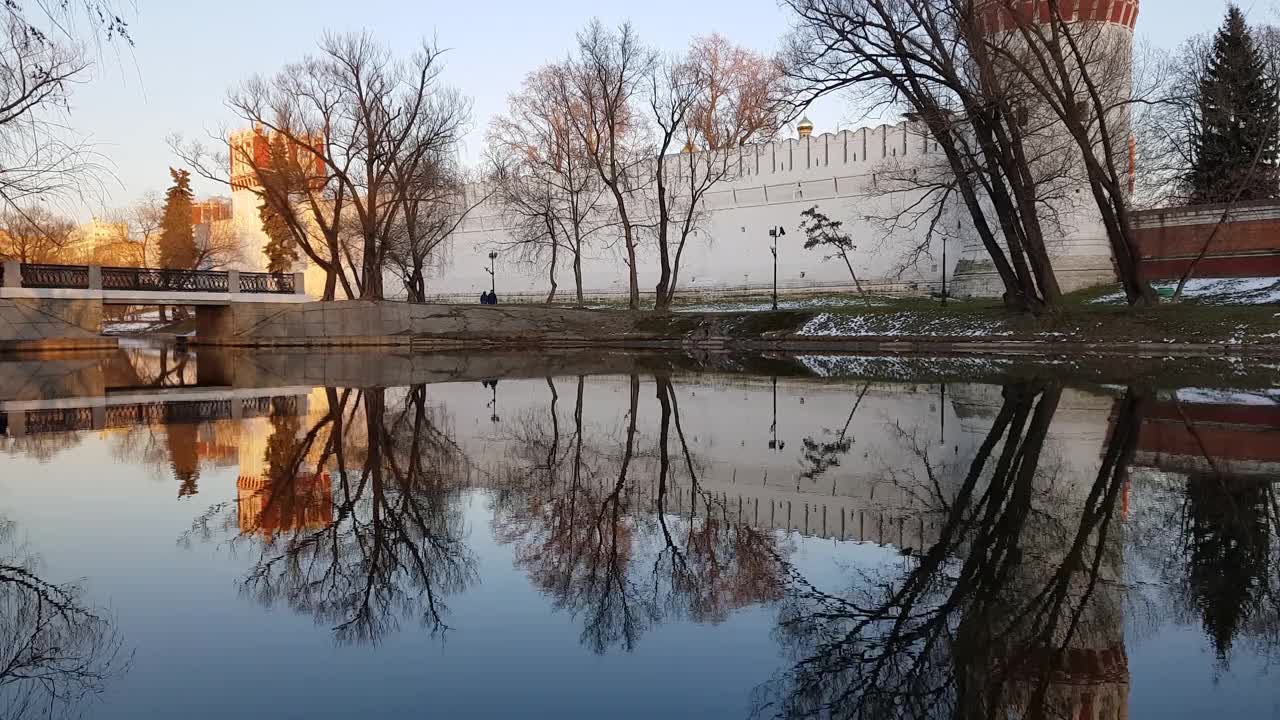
(177, 237)
(1235, 145)
(281, 250)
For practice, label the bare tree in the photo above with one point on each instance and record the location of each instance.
(34, 234)
(55, 650)
(436, 201)
(1080, 75)
(218, 245)
(356, 118)
(607, 76)
(145, 218)
(709, 103)
(43, 56)
(543, 177)
(934, 59)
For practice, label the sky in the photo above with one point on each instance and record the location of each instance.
(187, 55)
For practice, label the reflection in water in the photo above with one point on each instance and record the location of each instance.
(596, 524)
(55, 652)
(355, 516)
(994, 550)
(1012, 610)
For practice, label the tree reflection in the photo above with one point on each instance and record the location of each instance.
(1012, 611)
(822, 453)
(1212, 535)
(1229, 545)
(623, 537)
(55, 652)
(391, 546)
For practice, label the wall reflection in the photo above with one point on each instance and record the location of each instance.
(1013, 538)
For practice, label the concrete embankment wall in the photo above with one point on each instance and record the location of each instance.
(50, 324)
(352, 323)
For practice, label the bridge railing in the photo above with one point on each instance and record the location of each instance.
(153, 279)
(88, 277)
(272, 283)
(40, 275)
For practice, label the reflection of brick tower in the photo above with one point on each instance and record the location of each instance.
(268, 507)
(1014, 660)
(269, 504)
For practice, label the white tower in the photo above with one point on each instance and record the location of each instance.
(1079, 249)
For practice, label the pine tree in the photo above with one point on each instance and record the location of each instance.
(1235, 146)
(177, 237)
(281, 250)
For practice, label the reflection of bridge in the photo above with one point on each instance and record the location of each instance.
(183, 405)
(63, 303)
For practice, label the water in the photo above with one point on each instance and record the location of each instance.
(318, 535)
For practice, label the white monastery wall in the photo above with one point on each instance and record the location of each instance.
(843, 173)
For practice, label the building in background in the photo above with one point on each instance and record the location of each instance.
(103, 242)
(249, 150)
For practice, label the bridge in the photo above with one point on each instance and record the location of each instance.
(163, 406)
(43, 305)
(147, 286)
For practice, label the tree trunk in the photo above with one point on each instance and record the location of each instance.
(628, 232)
(330, 285)
(661, 296)
(577, 273)
(853, 275)
(551, 273)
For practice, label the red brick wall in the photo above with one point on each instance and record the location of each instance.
(1003, 15)
(1247, 245)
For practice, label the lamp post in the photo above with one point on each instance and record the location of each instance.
(944, 271)
(774, 444)
(493, 278)
(492, 404)
(775, 233)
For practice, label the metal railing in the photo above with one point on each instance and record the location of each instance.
(134, 279)
(118, 278)
(183, 412)
(69, 277)
(272, 283)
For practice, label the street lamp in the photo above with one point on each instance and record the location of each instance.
(775, 233)
(492, 404)
(774, 444)
(493, 278)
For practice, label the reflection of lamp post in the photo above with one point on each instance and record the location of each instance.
(493, 403)
(775, 233)
(493, 278)
(773, 427)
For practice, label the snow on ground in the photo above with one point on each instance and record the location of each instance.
(1220, 291)
(1212, 396)
(904, 323)
(112, 328)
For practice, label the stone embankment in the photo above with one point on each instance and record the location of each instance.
(443, 327)
(34, 324)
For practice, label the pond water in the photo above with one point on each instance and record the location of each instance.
(508, 535)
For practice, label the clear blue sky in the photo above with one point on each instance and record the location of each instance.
(188, 54)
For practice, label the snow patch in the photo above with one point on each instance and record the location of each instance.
(1221, 291)
(1213, 396)
(904, 323)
